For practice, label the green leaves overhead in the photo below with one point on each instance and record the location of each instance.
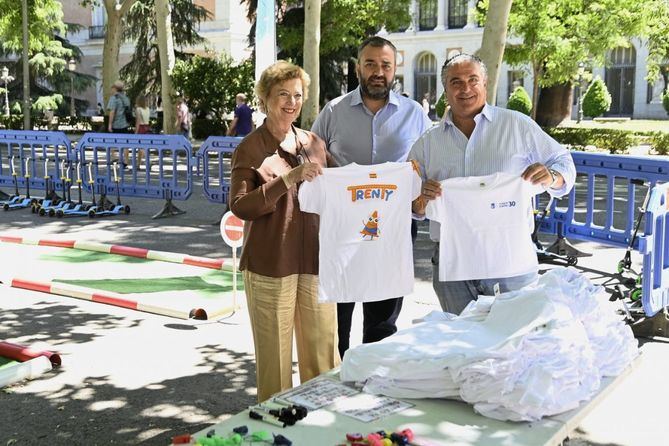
(211, 84)
(553, 36)
(143, 70)
(45, 18)
(344, 23)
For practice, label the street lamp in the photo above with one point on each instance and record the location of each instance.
(6, 78)
(579, 112)
(72, 65)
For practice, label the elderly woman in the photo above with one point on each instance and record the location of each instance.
(280, 255)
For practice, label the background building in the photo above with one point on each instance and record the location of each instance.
(225, 31)
(439, 29)
(442, 28)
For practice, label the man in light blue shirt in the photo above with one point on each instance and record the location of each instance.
(478, 139)
(370, 125)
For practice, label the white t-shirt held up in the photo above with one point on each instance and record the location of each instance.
(486, 226)
(365, 230)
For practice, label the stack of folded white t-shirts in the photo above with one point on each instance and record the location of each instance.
(612, 341)
(520, 356)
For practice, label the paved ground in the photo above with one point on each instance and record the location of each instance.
(131, 377)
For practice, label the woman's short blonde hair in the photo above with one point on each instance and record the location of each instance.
(277, 73)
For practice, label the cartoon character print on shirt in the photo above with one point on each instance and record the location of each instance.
(371, 228)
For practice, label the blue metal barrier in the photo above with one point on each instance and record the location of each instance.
(165, 170)
(654, 245)
(583, 216)
(43, 151)
(217, 150)
(621, 182)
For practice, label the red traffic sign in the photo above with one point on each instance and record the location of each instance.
(232, 230)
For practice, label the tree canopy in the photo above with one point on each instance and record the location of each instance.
(142, 72)
(344, 25)
(553, 36)
(48, 53)
(211, 84)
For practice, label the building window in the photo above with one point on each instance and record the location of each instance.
(457, 13)
(657, 88)
(98, 22)
(515, 78)
(399, 84)
(96, 32)
(426, 80)
(619, 79)
(427, 15)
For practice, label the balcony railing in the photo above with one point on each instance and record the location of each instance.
(96, 32)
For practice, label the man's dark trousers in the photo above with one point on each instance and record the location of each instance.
(378, 320)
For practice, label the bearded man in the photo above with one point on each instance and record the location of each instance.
(371, 125)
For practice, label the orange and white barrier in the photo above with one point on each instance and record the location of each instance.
(141, 253)
(32, 363)
(105, 297)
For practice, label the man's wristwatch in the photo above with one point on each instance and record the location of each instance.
(554, 178)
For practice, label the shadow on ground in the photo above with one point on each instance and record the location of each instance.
(57, 324)
(97, 412)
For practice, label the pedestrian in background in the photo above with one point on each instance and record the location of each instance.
(242, 124)
(142, 118)
(268, 167)
(142, 115)
(183, 121)
(116, 106)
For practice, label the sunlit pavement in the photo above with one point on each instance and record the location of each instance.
(129, 376)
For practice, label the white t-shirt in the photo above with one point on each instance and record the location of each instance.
(486, 227)
(365, 230)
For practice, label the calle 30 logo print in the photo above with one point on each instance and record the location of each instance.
(503, 204)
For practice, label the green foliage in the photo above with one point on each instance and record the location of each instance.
(597, 99)
(555, 35)
(665, 100)
(48, 53)
(13, 122)
(440, 106)
(520, 101)
(618, 142)
(44, 103)
(203, 128)
(344, 25)
(612, 140)
(211, 84)
(657, 23)
(660, 143)
(142, 72)
(45, 18)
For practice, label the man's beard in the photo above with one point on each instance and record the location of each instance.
(374, 92)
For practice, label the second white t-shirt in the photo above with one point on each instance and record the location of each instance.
(486, 227)
(365, 230)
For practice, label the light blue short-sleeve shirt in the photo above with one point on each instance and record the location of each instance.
(353, 134)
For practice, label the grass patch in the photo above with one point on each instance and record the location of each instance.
(6, 362)
(80, 256)
(209, 285)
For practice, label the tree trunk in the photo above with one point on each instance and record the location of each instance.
(112, 45)
(351, 78)
(167, 58)
(554, 104)
(312, 41)
(493, 43)
(535, 91)
(26, 68)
